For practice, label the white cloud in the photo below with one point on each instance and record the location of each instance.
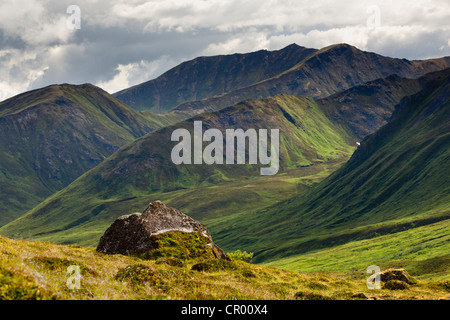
(32, 22)
(120, 80)
(246, 42)
(18, 71)
(135, 73)
(357, 36)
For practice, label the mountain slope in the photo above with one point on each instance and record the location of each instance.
(396, 180)
(144, 167)
(324, 72)
(312, 73)
(51, 136)
(209, 76)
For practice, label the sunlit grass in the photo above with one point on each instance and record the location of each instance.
(38, 270)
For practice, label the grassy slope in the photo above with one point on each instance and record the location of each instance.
(50, 136)
(142, 171)
(363, 109)
(422, 251)
(38, 270)
(397, 180)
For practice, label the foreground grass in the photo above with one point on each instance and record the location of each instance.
(38, 270)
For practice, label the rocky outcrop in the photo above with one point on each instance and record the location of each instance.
(393, 274)
(135, 233)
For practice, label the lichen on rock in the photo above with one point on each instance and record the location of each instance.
(137, 233)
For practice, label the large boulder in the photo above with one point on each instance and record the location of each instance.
(393, 274)
(135, 233)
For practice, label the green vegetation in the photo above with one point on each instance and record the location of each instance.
(51, 136)
(421, 251)
(205, 77)
(241, 256)
(312, 146)
(291, 220)
(38, 270)
(396, 285)
(180, 246)
(387, 203)
(16, 286)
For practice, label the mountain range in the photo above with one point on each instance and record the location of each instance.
(74, 157)
(212, 83)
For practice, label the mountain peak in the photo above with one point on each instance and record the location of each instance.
(292, 46)
(339, 47)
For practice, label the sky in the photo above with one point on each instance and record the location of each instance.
(117, 44)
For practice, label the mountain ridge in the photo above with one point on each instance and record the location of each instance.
(311, 76)
(54, 134)
(209, 75)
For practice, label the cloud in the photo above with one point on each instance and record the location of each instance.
(31, 22)
(18, 70)
(246, 42)
(122, 42)
(135, 73)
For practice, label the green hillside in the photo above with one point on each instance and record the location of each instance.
(420, 250)
(395, 184)
(142, 170)
(50, 136)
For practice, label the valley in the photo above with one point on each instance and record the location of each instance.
(361, 179)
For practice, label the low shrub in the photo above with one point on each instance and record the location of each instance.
(171, 261)
(241, 256)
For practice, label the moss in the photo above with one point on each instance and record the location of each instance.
(171, 261)
(248, 274)
(396, 285)
(445, 285)
(317, 285)
(60, 264)
(178, 245)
